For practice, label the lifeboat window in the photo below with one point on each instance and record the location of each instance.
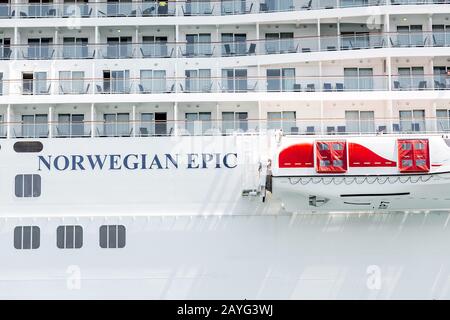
(406, 146)
(112, 236)
(28, 185)
(324, 163)
(419, 146)
(28, 146)
(27, 237)
(69, 237)
(323, 146)
(421, 162)
(338, 146)
(337, 163)
(407, 163)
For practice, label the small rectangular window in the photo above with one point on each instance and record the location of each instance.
(337, 163)
(28, 185)
(421, 162)
(338, 146)
(406, 163)
(112, 236)
(406, 146)
(69, 237)
(324, 163)
(419, 146)
(323, 146)
(27, 237)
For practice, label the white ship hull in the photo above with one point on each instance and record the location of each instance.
(370, 256)
(193, 235)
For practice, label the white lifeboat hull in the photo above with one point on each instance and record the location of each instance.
(365, 193)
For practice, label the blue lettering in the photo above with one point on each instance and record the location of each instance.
(144, 162)
(218, 160)
(57, 162)
(98, 161)
(135, 161)
(225, 160)
(156, 162)
(114, 162)
(206, 157)
(170, 159)
(134, 164)
(44, 162)
(77, 163)
(192, 158)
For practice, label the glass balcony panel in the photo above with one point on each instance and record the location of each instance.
(233, 7)
(5, 11)
(77, 10)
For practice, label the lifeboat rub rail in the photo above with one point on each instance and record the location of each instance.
(364, 179)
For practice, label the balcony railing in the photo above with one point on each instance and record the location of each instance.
(225, 49)
(171, 85)
(185, 8)
(289, 126)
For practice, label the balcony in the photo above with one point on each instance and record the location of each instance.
(191, 50)
(184, 8)
(273, 82)
(420, 82)
(225, 49)
(120, 125)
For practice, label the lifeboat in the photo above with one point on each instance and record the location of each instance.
(376, 173)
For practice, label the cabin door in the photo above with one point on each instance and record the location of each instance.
(160, 123)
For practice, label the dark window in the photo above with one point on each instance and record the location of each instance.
(69, 237)
(28, 146)
(112, 236)
(27, 237)
(28, 185)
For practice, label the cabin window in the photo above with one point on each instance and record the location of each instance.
(27, 237)
(112, 236)
(28, 185)
(69, 237)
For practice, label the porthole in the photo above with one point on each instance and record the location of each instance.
(28, 146)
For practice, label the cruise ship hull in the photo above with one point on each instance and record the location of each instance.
(369, 256)
(199, 230)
